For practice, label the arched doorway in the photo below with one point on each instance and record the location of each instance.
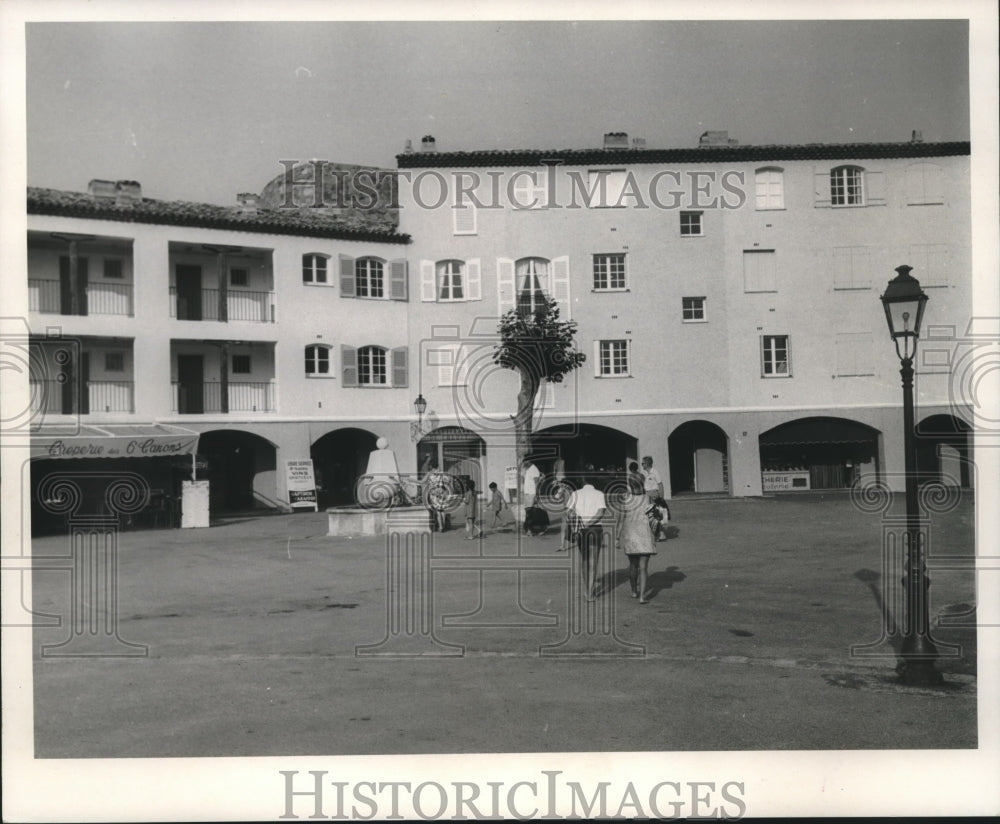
(454, 450)
(943, 445)
(241, 470)
(573, 449)
(699, 458)
(817, 453)
(339, 459)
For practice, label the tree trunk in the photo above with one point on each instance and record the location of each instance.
(523, 420)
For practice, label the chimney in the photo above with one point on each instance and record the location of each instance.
(427, 143)
(917, 136)
(247, 203)
(638, 143)
(712, 139)
(103, 189)
(408, 149)
(616, 140)
(127, 192)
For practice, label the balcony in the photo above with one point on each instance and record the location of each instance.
(242, 305)
(55, 397)
(208, 397)
(49, 297)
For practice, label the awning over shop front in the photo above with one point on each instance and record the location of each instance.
(149, 440)
(818, 431)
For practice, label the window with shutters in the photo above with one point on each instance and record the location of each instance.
(854, 354)
(609, 272)
(464, 219)
(924, 185)
(847, 186)
(759, 271)
(769, 188)
(533, 283)
(372, 367)
(613, 358)
(318, 361)
(775, 362)
(693, 310)
(930, 264)
(691, 224)
(314, 268)
(851, 267)
(369, 278)
(451, 363)
(607, 188)
(450, 280)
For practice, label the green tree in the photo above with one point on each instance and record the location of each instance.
(539, 347)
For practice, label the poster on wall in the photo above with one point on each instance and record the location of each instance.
(301, 485)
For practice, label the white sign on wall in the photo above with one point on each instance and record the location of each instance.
(301, 485)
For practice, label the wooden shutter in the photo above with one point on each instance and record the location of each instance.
(347, 286)
(445, 356)
(398, 280)
(473, 275)
(560, 285)
(400, 369)
(821, 189)
(464, 219)
(505, 285)
(874, 188)
(349, 365)
(597, 358)
(428, 281)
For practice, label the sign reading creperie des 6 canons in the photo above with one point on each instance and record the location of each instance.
(301, 485)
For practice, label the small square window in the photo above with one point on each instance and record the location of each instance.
(775, 356)
(691, 224)
(241, 365)
(693, 310)
(613, 356)
(239, 277)
(113, 269)
(114, 362)
(609, 272)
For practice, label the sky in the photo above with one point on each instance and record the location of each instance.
(201, 111)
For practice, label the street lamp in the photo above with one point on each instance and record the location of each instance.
(904, 303)
(420, 406)
(417, 429)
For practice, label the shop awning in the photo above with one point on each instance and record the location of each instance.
(818, 431)
(148, 440)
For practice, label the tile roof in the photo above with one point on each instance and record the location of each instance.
(202, 215)
(706, 154)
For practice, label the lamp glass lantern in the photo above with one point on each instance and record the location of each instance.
(420, 405)
(904, 303)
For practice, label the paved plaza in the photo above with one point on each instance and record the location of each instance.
(263, 636)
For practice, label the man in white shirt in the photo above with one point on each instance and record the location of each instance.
(586, 506)
(529, 485)
(651, 481)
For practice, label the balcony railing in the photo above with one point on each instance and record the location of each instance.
(45, 296)
(243, 396)
(242, 305)
(54, 397)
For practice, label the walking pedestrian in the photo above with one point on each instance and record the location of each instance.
(587, 507)
(471, 501)
(652, 482)
(497, 505)
(634, 537)
(436, 495)
(529, 484)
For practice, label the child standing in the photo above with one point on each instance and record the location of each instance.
(497, 505)
(471, 502)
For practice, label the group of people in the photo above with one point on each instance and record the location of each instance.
(635, 530)
(585, 513)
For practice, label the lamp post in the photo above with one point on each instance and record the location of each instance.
(904, 303)
(419, 406)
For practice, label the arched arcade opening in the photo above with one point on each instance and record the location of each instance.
(241, 470)
(817, 453)
(943, 445)
(699, 458)
(339, 459)
(455, 450)
(573, 449)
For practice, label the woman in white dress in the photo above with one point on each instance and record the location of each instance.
(634, 536)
